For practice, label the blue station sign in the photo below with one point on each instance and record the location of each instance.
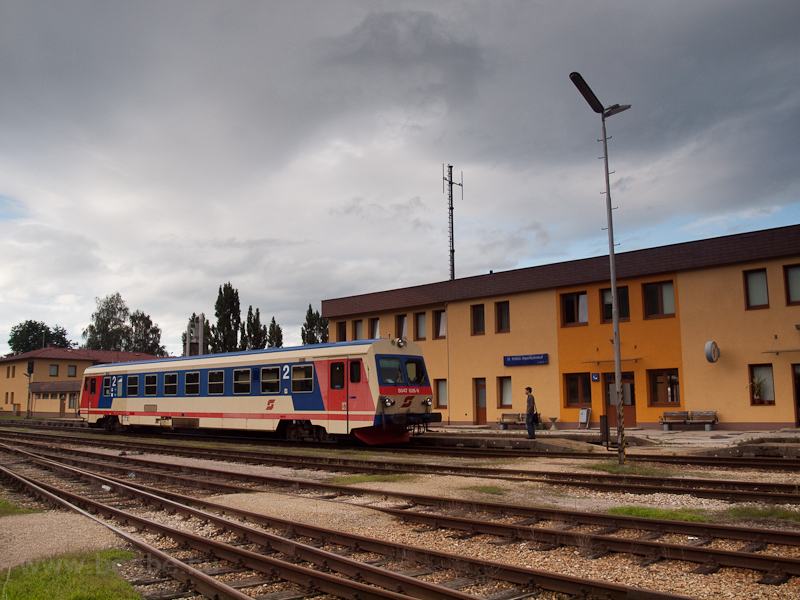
(525, 359)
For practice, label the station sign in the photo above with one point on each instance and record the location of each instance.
(525, 359)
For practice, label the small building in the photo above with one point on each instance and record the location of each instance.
(55, 379)
(710, 325)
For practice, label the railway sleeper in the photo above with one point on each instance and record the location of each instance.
(754, 546)
(774, 577)
(707, 568)
(514, 594)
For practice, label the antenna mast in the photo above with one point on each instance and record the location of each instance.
(448, 179)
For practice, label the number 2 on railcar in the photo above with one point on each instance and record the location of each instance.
(375, 390)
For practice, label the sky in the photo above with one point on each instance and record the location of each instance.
(296, 148)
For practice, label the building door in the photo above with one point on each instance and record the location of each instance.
(62, 405)
(480, 401)
(796, 369)
(628, 400)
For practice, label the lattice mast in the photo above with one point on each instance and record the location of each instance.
(447, 186)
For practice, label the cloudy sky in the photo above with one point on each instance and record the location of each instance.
(295, 148)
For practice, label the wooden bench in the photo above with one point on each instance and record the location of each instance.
(673, 417)
(507, 419)
(708, 418)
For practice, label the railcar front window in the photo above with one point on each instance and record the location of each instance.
(302, 378)
(416, 371)
(391, 370)
(106, 386)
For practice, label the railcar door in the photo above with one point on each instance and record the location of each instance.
(91, 393)
(348, 393)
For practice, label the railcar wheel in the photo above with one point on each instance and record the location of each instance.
(111, 424)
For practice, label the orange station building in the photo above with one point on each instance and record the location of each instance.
(711, 325)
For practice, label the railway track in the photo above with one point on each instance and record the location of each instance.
(262, 551)
(728, 490)
(422, 447)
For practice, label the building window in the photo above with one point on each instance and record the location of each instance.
(358, 329)
(478, 320)
(502, 313)
(13, 371)
(150, 385)
(622, 303)
(241, 381)
(170, 384)
(420, 326)
(659, 300)
(271, 380)
(133, 385)
(755, 289)
(53, 370)
(401, 326)
(216, 382)
(439, 324)
(302, 378)
(578, 388)
(441, 393)
(791, 277)
(72, 371)
(73, 400)
(574, 309)
(504, 394)
(341, 331)
(665, 387)
(374, 329)
(191, 383)
(762, 386)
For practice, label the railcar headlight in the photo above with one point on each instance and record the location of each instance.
(427, 402)
(387, 402)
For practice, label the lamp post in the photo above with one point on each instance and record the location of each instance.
(597, 107)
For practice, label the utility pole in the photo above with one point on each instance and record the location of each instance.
(448, 179)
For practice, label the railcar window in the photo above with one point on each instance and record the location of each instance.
(391, 370)
(216, 382)
(150, 385)
(355, 371)
(416, 371)
(241, 381)
(170, 384)
(93, 386)
(270, 380)
(302, 378)
(106, 386)
(133, 385)
(191, 383)
(337, 376)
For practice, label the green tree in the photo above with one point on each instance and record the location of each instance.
(145, 336)
(109, 329)
(32, 335)
(225, 334)
(275, 335)
(315, 329)
(254, 334)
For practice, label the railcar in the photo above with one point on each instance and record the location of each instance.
(375, 390)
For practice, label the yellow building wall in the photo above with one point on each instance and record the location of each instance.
(745, 337)
(645, 344)
(18, 385)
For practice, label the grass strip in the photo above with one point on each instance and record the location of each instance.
(680, 514)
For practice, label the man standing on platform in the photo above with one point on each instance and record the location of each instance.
(530, 415)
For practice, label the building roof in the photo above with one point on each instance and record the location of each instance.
(38, 387)
(712, 252)
(95, 356)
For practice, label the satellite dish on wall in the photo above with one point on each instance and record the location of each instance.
(712, 352)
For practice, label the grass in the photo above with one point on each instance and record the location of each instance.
(752, 513)
(356, 479)
(9, 508)
(74, 577)
(681, 514)
(631, 469)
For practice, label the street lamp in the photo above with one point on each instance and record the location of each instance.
(597, 107)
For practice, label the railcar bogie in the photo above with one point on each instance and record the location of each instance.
(375, 390)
